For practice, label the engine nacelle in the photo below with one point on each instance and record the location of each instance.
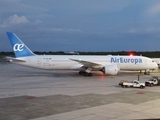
(110, 69)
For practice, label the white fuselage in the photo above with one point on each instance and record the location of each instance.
(64, 62)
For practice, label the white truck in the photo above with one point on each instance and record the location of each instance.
(153, 81)
(134, 83)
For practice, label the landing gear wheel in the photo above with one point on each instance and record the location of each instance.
(81, 72)
(89, 74)
(85, 73)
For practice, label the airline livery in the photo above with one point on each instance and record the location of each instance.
(84, 64)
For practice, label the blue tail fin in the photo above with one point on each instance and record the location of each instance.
(19, 48)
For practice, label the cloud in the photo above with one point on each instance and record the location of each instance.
(74, 30)
(38, 21)
(56, 29)
(65, 30)
(15, 19)
(155, 9)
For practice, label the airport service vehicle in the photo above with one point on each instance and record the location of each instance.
(153, 81)
(134, 83)
(84, 64)
(122, 81)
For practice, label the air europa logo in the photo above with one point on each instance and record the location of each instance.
(125, 60)
(18, 47)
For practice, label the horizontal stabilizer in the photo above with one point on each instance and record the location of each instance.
(17, 60)
(10, 59)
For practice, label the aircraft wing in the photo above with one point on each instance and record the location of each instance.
(87, 63)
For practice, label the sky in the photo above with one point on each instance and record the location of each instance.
(82, 25)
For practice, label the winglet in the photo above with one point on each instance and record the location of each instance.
(19, 48)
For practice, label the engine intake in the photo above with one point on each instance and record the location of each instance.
(110, 69)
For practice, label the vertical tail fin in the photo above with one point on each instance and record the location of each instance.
(19, 48)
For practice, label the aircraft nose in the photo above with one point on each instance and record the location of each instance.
(155, 64)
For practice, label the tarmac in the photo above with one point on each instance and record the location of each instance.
(33, 94)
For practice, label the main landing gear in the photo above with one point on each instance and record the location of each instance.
(147, 72)
(85, 73)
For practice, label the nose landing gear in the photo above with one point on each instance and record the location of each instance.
(147, 72)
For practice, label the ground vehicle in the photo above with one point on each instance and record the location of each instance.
(134, 83)
(153, 81)
(122, 81)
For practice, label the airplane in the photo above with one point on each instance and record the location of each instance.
(107, 64)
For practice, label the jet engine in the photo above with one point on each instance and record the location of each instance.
(110, 69)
